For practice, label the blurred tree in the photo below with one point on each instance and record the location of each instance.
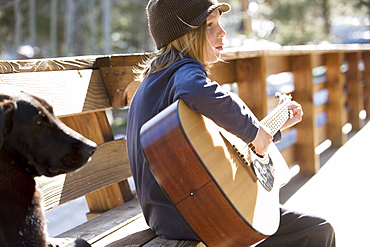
(32, 21)
(246, 24)
(302, 22)
(365, 4)
(91, 16)
(53, 28)
(106, 6)
(325, 9)
(129, 28)
(299, 22)
(69, 26)
(18, 23)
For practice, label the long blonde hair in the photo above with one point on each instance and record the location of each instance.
(193, 44)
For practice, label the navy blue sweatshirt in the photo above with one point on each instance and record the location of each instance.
(186, 79)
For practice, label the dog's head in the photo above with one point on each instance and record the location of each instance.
(45, 146)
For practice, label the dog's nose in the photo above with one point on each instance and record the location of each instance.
(88, 150)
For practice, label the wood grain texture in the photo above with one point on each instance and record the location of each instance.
(117, 73)
(159, 241)
(37, 65)
(355, 90)
(108, 165)
(337, 116)
(87, 124)
(366, 77)
(232, 54)
(116, 80)
(123, 226)
(301, 67)
(120, 60)
(136, 239)
(104, 225)
(155, 145)
(277, 64)
(69, 92)
(224, 72)
(95, 126)
(93, 62)
(251, 74)
(126, 233)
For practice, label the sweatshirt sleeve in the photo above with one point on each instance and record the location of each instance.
(211, 100)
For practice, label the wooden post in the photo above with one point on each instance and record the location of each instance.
(246, 18)
(366, 78)
(355, 93)
(307, 132)
(337, 116)
(117, 74)
(251, 78)
(95, 126)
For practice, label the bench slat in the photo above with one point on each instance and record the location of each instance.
(111, 221)
(158, 241)
(136, 239)
(108, 165)
(123, 226)
(36, 65)
(83, 90)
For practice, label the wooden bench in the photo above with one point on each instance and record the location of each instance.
(81, 89)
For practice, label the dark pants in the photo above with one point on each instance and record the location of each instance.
(300, 230)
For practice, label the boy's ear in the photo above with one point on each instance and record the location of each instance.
(7, 108)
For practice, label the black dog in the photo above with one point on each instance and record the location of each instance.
(33, 142)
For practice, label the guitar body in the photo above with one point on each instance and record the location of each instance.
(217, 193)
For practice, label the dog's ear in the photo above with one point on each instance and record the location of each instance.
(6, 111)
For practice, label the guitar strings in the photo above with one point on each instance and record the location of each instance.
(274, 121)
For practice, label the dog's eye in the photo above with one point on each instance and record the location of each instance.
(39, 121)
(41, 118)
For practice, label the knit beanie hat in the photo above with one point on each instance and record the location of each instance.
(171, 19)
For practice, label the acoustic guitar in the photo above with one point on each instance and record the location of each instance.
(227, 193)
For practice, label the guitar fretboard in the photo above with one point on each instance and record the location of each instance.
(276, 119)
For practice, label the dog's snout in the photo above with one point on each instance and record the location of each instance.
(89, 150)
(83, 149)
(82, 152)
(86, 147)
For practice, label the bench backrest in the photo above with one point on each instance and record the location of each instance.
(81, 89)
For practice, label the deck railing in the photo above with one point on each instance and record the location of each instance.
(330, 82)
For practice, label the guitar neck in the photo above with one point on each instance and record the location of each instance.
(276, 119)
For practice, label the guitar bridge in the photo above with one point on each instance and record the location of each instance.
(258, 167)
(245, 163)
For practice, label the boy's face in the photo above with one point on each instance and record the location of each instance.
(215, 34)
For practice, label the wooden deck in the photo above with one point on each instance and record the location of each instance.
(339, 191)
